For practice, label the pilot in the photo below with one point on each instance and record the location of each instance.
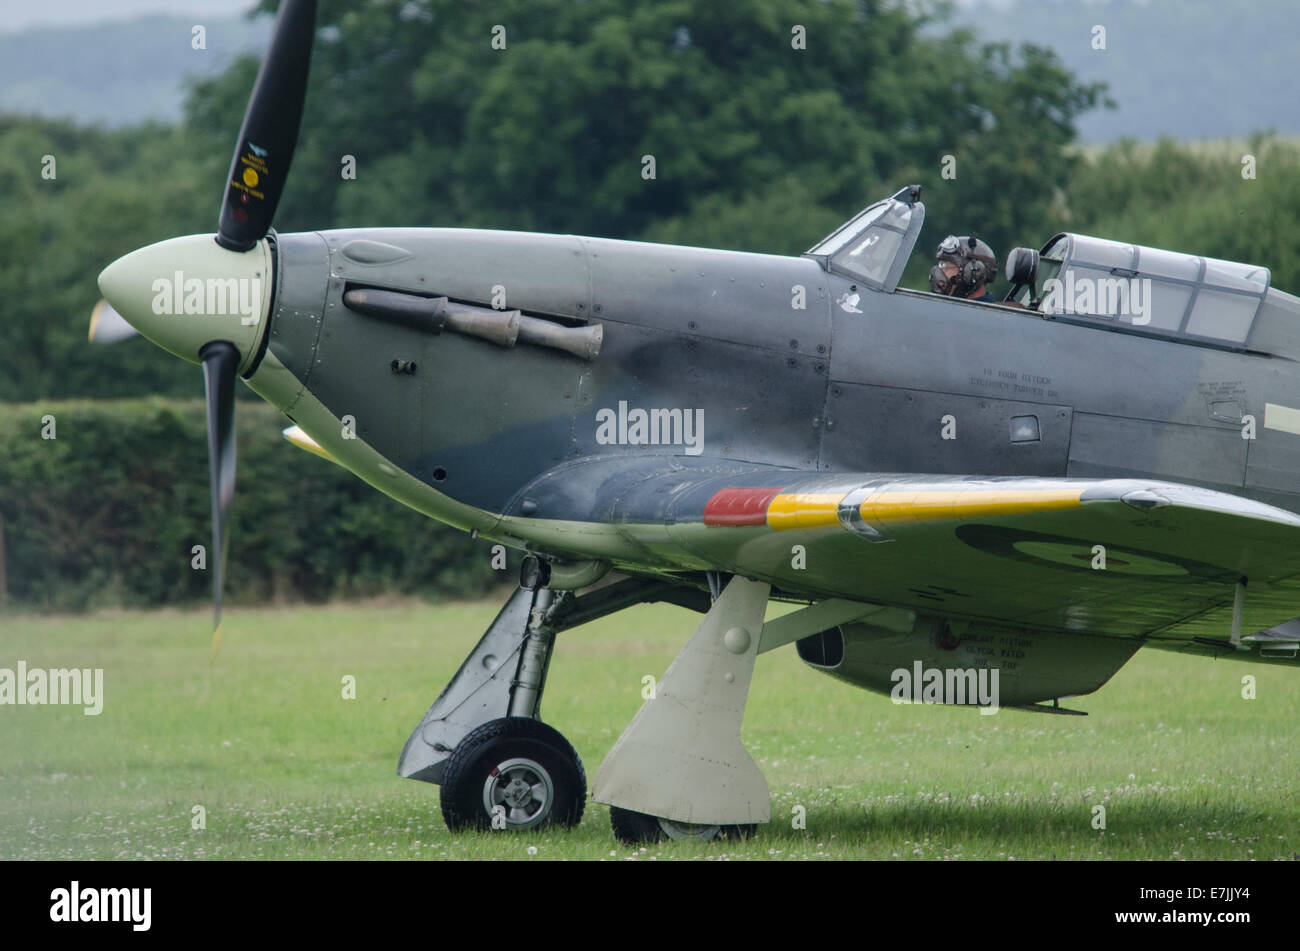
(966, 267)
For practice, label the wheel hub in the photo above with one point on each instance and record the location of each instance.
(522, 790)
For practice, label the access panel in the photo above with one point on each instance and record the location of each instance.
(890, 429)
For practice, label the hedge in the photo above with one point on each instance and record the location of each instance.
(106, 514)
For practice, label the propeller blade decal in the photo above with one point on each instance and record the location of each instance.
(270, 130)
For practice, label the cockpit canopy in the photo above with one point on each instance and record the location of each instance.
(1162, 292)
(1092, 281)
(873, 246)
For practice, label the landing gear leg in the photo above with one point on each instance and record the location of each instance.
(499, 766)
(483, 740)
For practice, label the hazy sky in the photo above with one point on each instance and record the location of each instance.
(16, 15)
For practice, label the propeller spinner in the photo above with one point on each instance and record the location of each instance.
(209, 301)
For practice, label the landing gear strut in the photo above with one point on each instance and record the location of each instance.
(499, 765)
(483, 741)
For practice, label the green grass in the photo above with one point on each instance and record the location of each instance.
(286, 768)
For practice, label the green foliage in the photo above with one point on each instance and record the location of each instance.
(111, 192)
(757, 145)
(108, 512)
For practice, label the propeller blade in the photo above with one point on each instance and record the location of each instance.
(270, 130)
(108, 326)
(220, 363)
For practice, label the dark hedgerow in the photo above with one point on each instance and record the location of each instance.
(107, 513)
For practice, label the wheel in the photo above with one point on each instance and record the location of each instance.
(637, 828)
(517, 769)
(634, 828)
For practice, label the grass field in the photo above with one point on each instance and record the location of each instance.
(287, 768)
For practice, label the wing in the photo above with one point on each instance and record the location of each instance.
(1140, 558)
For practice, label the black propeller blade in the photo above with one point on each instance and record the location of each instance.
(270, 130)
(258, 171)
(220, 363)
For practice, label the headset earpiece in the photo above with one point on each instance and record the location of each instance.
(974, 273)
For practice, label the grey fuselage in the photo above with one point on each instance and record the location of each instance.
(811, 388)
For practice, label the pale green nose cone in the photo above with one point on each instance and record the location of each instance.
(184, 293)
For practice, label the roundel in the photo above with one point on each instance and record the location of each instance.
(1080, 554)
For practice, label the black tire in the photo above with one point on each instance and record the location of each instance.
(634, 828)
(637, 828)
(500, 762)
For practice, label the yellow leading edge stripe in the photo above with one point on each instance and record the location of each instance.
(797, 510)
(804, 510)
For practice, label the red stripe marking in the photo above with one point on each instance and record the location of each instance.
(736, 506)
